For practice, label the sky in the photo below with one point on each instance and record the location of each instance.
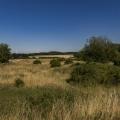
(57, 25)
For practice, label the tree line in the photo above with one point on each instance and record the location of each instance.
(100, 49)
(97, 49)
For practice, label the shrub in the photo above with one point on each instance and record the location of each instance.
(93, 74)
(36, 62)
(113, 76)
(55, 63)
(77, 64)
(68, 61)
(4, 53)
(19, 83)
(117, 60)
(83, 74)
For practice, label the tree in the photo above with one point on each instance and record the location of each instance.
(98, 49)
(5, 52)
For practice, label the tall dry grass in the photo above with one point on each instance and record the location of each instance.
(33, 75)
(101, 104)
(98, 103)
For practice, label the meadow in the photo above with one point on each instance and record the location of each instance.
(33, 74)
(47, 96)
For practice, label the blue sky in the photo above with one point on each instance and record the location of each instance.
(63, 25)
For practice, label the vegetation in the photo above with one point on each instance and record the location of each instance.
(98, 49)
(95, 74)
(90, 93)
(19, 56)
(19, 83)
(37, 61)
(55, 63)
(55, 103)
(61, 59)
(4, 53)
(68, 61)
(33, 55)
(116, 60)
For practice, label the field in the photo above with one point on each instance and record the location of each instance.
(33, 75)
(53, 56)
(47, 96)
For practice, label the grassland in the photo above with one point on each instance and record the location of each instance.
(33, 75)
(53, 56)
(47, 95)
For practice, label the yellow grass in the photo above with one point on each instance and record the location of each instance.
(52, 56)
(99, 104)
(102, 105)
(33, 75)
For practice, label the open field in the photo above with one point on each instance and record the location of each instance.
(47, 95)
(54, 56)
(33, 75)
(59, 59)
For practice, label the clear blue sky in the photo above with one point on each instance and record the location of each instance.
(63, 25)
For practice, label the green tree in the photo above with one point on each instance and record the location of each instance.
(4, 53)
(98, 49)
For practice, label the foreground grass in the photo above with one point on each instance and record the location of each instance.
(56, 103)
(47, 96)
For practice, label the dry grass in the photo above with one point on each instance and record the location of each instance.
(103, 104)
(90, 103)
(33, 75)
(52, 56)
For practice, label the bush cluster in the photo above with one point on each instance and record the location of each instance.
(68, 61)
(93, 74)
(36, 61)
(116, 60)
(55, 63)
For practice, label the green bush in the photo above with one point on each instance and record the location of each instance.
(19, 83)
(93, 74)
(116, 60)
(36, 62)
(68, 61)
(55, 63)
(113, 76)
